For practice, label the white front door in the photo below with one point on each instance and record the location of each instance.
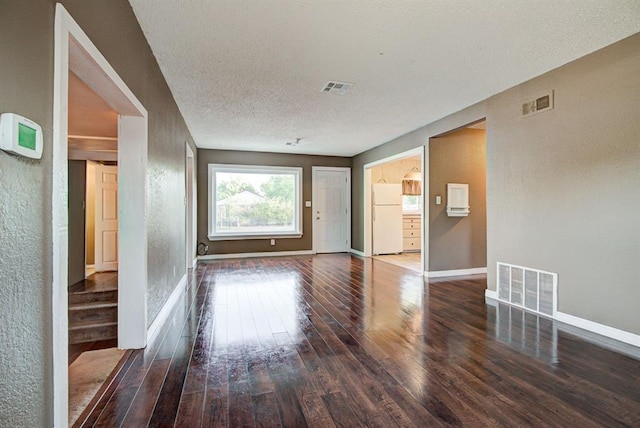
(106, 218)
(331, 213)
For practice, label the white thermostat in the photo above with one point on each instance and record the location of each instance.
(20, 136)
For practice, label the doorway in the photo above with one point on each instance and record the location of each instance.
(75, 54)
(331, 204)
(401, 180)
(190, 191)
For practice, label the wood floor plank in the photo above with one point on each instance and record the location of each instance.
(334, 340)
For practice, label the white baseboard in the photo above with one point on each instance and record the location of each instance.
(604, 330)
(491, 294)
(357, 252)
(456, 272)
(164, 313)
(249, 255)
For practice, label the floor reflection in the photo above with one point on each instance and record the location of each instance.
(256, 309)
(530, 333)
(337, 340)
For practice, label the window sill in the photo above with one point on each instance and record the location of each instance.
(247, 237)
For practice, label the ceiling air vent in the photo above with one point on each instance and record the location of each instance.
(540, 104)
(336, 88)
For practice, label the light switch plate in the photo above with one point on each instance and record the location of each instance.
(307, 204)
(438, 200)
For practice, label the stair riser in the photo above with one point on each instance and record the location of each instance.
(103, 296)
(93, 315)
(93, 334)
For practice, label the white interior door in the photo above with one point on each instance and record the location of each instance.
(331, 213)
(106, 225)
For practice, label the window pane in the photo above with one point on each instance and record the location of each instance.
(248, 202)
(411, 203)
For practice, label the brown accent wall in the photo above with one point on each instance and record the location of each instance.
(205, 157)
(457, 242)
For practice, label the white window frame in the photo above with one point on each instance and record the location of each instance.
(218, 236)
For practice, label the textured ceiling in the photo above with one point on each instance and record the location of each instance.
(247, 75)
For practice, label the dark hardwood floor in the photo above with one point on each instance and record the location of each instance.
(334, 340)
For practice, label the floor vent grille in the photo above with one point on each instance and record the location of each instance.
(531, 289)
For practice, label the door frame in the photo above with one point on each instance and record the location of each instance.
(190, 208)
(423, 152)
(314, 170)
(74, 51)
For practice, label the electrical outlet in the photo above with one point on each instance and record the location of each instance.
(273, 242)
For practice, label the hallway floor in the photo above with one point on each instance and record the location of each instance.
(335, 340)
(406, 260)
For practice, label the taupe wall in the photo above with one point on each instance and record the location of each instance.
(26, 70)
(563, 187)
(206, 157)
(77, 191)
(457, 242)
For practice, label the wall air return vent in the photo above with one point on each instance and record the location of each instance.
(531, 289)
(540, 104)
(336, 88)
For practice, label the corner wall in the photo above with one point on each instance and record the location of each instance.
(563, 186)
(457, 242)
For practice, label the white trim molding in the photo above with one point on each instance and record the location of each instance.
(74, 52)
(216, 235)
(357, 252)
(604, 330)
(456, 272)
(251, 255)
(490, 294)
(166, 309)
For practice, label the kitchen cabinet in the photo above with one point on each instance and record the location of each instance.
(411, 232)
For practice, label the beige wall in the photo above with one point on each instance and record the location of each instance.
(457, 242)
(394, 172)
(26, 70)
(206, 157)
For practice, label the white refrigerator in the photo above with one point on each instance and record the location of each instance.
(387, 218)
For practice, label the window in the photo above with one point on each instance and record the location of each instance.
(254, 202)
(411, 204)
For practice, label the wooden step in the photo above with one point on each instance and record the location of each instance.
(92, 332)
(92, 313)
(93, 296)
